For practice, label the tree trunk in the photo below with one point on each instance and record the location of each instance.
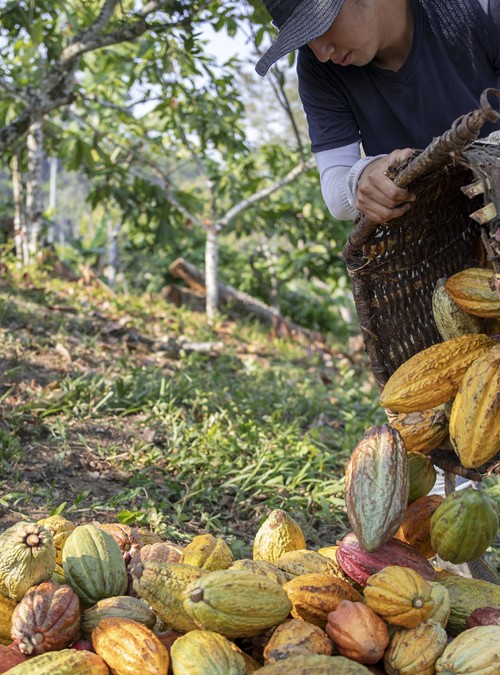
(34, 203)
(20, 236)
(211, 265)
(52, 199)
(112, 266)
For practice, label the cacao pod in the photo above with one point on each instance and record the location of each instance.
(278, 534)
(376, 486)
(441, 610)
(93, 565)
(475, 415)
(236, 603)
(415, 530)
(421, 431)
(464, 526)
(414, 651)
(472, 290)
(63, 662)
(466, 595)
(263, 568)
(484, 616)
(294, 637)
(203, 652)
(128, 538)
(10, 657)
(208, 553)
(359, 565)
(400, 596)
(47, 619)
(476, 650)
(357, 632)
(295, 563)
(315, 664)
(432, 377)
(120, 606)
(60, 528)
(313, 596)
(27, 558)
(7, 606)
(450, 319)
(129, 647)
(422, 476)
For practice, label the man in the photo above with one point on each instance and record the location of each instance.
(389, 74)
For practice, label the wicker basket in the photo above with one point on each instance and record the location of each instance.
(394, 266)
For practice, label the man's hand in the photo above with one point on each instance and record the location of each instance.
(376, 196)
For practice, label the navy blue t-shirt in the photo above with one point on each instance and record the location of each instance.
(455, 55)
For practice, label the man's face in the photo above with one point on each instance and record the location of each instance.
(352, 39)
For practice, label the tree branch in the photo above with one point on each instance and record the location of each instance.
(12, 90)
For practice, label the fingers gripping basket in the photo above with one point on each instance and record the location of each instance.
(452, 225)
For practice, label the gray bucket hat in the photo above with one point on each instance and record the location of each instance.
(298, 22)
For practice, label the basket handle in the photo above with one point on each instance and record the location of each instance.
(464, 130)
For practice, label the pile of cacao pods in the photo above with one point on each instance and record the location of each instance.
(108, 598)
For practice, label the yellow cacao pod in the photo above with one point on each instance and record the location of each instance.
(278, 534)
(63, 662)
(399, 595)
(431, 377)
(315, 664)
(60, 528)
(476, 650)
(7, 606)
(295, 563)
(450, 319)
(475, 415)
(294, 637)
(262, 568)
(203, 652)
(208, 553)
(441, 610)
(414, 651)
(472, 290)
(421, 431)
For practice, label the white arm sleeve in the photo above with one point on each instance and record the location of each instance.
(339, 171)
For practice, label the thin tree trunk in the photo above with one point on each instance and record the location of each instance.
(52, 199)
(34, 203)
(112, 266)
(20, 237)
(211, 267)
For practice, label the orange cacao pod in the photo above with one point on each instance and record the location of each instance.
(357, 632)
(415, 529)
(472, 290)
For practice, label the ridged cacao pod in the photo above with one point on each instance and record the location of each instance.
(294, 637)
(235, 603)
(47, 619)
(414, 651)
(415, 530)
(466, 595)
(441, 610)
(476, 650)
(422, 476)
(128, 538)
(450, 319)
(359, 565)
(129, 647)
(464, 526)
(314, 596)
(27, 558)
(278, 534)
(93, 565)
(357, 632)
(295, 563)
(60, 528)
(208, 553)
(63, 662)
(432, 377)
(400, 596)
(10, 657)
(203, 652)
(121, 606)
(376, 486)
(484, 616)
(472, 290)
(159, 552)
(315, 664)
(7, 606)
(262, 568)
(421, 431)
(475, 415)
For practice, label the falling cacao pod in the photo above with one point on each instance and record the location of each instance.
(357, 632)
(278, 534)
(400, 596)
(432, 376)
(473, 291)
(475, 415)
(376, 486)
(464, 526)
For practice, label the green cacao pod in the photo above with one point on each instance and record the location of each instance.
(121, 606)
(262, 568)
(464, 526)
(476, 650)
(93, 565)
(466, 595)
(236, 603)
(422, 476)
(376, 486)
(203, 652)
(450, 319)
(27, 558)
(64, 662)
(315, 664)
(162, 585)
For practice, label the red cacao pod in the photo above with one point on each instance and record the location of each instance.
(484, 616)
(359, 565)
(9, 657)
